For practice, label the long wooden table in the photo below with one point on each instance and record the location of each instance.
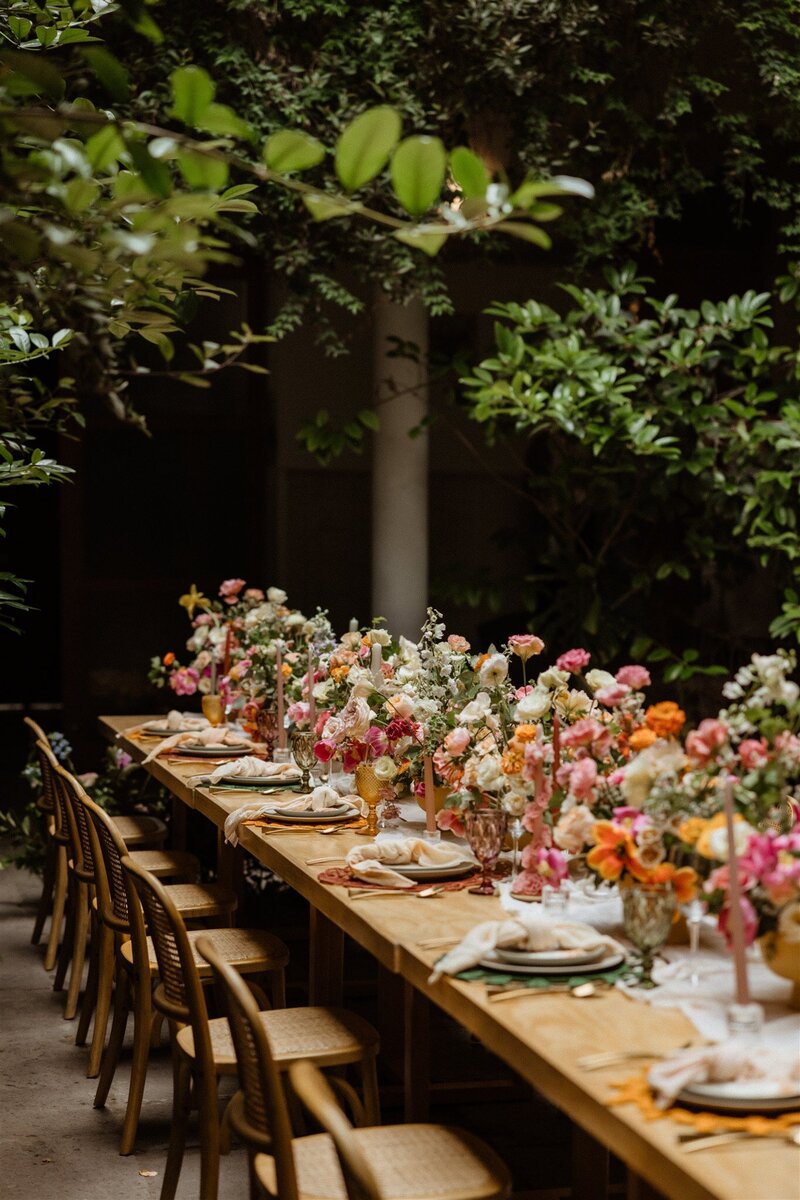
(541, 1041)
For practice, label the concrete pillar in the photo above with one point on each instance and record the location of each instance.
(400, 470)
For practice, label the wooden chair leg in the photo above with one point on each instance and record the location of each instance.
(122, 1006)
(105, 988)
(181, 1103)
(81, 930)
(277, 987)
(369, 1091)
(209, 1136)
(65, 949)
(46, 898)
(142, 1017)
(57, 915)
(89, 1002)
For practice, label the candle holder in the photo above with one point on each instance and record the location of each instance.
(213, 709)
(303, 742)
(369, 789)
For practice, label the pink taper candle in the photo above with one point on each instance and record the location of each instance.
(312, 708)
(279, 696)
(736, 920)
(430, 797)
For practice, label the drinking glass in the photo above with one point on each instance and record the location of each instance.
(369, 789)
(647, 916)
(303, 742)
(486, 828)
(694, 911)
(213, 709)
(267, 726)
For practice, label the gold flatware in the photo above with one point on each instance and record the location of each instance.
(313, 862)
(708, 1141)
(434, 943)
(425, 894)
(609, 1058)
(582, 991)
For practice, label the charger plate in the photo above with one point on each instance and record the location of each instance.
(602, 964)
(211, 751)
(738, 1096)
(549, 958)
(328, 816)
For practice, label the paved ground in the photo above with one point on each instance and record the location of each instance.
(53, 1144)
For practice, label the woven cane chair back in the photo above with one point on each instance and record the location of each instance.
(47, 800)
(265, 1107)
(75, 798)
(112, 898)
(48, 765)
(315, 1094)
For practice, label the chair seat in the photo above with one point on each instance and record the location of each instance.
(250, 951)
(167, 864)
(140, 831)
(195, 900)
(328, 1036)
(410, 1162)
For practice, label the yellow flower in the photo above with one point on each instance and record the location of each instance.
(525, 733)
(691, 829)
(192, 600)
(640, 739)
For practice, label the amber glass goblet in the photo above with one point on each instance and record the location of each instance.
(486, 828)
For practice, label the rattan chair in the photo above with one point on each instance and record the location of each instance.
(404, 1162)
(52, 859)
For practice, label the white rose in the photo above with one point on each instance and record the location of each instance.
(494, 671)
(553, 680)
(293, 620)
(718, 840)
(400, 705)
(384, 768)
(533, 705)
(351, 641)
(361, 682)
(378, 637)
(573, 703)
(489, 775)
(322, 689)
(276, 595)
(476, 710)
(599, 679)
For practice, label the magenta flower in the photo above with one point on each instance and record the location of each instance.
(325, 749)
(377, 741)
(354, 754)
(573, 660)
(748, 917)
(634, 677)
(184, 681)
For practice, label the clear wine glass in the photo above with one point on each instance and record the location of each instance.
(486, 828)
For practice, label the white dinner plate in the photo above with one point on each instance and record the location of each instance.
(550, 958)
(739, 1096)
(415, 871)
(344, 812)
(212, 751)
(258, 781)
(162, 731)
(602, 964)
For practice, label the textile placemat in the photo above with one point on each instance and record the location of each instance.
(341, 877)
(504, 978)
(636, 1090)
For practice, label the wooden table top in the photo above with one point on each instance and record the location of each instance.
(540, 1041)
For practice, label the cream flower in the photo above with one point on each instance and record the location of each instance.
(573, 829)
(385, 769)
(597, 679)
(378, 637)
(553, 680)
(664, 757)
(718, 840)
(401, 705)
(494, 671)
(533, 705)
(489, 776)
(477, 710)
(276, 595)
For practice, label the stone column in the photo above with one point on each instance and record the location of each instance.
(400, 470)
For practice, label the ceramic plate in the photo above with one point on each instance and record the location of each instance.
(162, 731)
(257, 781)
(344, 812)
(738, 1096)
(602, 964)
(211, 751)
(550, 958)
(415, 871)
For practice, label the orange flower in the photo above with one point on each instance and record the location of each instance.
(479, 663)
(691, 829)
(512, 760)
(682, 879)
(613, 851)
(642, 738)
(665, 719)
(286, 670)
(169, 659)
(525, 733)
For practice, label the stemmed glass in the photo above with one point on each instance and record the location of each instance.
(303, 742)
(369, 789)
(267, 726)
(647, 916)
(486, 828)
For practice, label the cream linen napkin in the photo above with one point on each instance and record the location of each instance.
(174, 722)
(740, 1059)
(249, 767)
(202, 737)
(319, 800)
(374, 860)
(531, 930)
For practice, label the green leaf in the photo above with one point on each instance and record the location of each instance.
(469, 173)
(363, 148)
(153, 173)
(418, 168)
(220, 119)
(109, 70)
(192, 92)
(290, 150)
(528, 233)
(201, 171)
(429, 241)
(324, 208)
(369, 418)
(104, 147)
(35, 67)
(20, 27)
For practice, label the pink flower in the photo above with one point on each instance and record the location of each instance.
(528, 884)
(184, 681)
(400, 705)
(748, 916)
(709, 736)
(354, 754)
(583, 779)
(634, 677)
(121, 759)
(457, 741)
(254, 594)
(574, 829)
(325, 749)
(753, 753)
(613, 695)
(547, 862)
(583, 732)
(457, 643)
(298, 712)
(400, 728)
(573, 660)
(449, 771)
(377, 741)
(450, 818)
(523, 691)
(229, 589)
(525, 645)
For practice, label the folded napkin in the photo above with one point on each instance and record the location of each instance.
(740, 1059)
(319, 800)
(250, 767)
(374, 860)
(212, 736)
(174, 722)
(531, 930)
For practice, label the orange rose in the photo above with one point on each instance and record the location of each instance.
(642, 738)
(525, 733)
(169, 659)
(512, 761)
(665, 719)
(286, 670)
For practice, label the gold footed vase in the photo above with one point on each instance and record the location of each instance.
(782, 956)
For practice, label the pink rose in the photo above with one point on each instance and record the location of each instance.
(377, 741)
(458, 644)
(583, 732)
(753, 753)
(545, 861)
(325, 749)
(709, 736)
(229, 589)
(528, 884)
(525, 645)
(573, 660)
(255, 594)
(298, 712)
(634, 677)
(748, 916)
(523, 691)
(583, 779)
(574, 829)
(184, 681)
(457, 741)
(450, 818)
(613, 695)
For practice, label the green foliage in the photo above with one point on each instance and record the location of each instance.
(663, 462)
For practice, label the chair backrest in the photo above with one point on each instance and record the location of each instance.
(39, 734)
(313, 1090)
(109, 850)
(48, 766)
(265, 1108)
(75, 798)
(180, 993)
